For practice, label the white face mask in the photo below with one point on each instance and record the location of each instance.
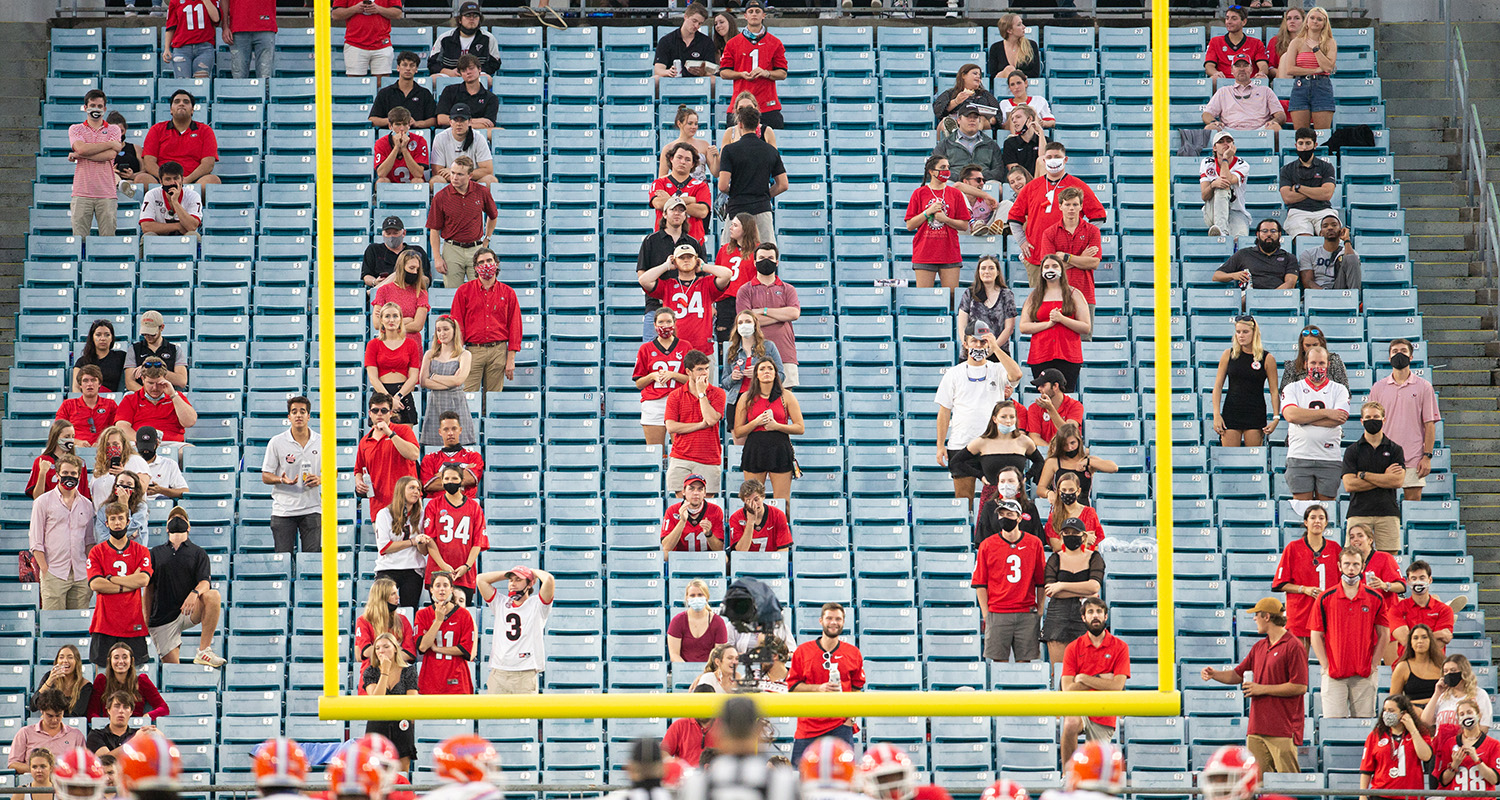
(1007, 489)
(746, 329)
(1050, 274)
(1055, 164)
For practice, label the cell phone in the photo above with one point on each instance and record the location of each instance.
(114, 461)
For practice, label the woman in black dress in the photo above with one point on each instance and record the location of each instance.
(1068, 456)
(100, 351)
(1072, 574)
(1241, 419)
(767, 417)
(390, 673)
(1420, 667)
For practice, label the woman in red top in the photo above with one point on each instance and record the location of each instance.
(1310, 60)
(1465, 758)
(1069, 505)
(380, 617)
(658, 370)
(121, 676)
(1395, 750)
(393, 361)
(738, 254)
(1055, 317)
(767, 417)
(1291, 25)
(43, 479)
(406, 286)
(937, 212)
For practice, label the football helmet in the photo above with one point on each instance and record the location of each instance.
(829, 763)
(466, 759)
(365, 767)
(149, 762)
(1004, 789)
(1231, 774)
(886, 772)
(673, 770)
(280, 763)
(1096, 766)
(78, 775)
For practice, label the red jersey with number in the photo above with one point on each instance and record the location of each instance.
(1301, 565)
(707, 523)
(1467, 778)
(401, 173)
(810, 665)
(935, 242)
(1039, 206)
(455, 530)
(774, 532)
(651, 357)
(1392, 762)
(434, 461)
(442, 673)
(694, 303)
(367, 31)
(119, 614)
(741, 267)
(189, 22)
(743, 55)
(1010, 572)
(696, 189)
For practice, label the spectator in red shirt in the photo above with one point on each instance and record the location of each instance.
(1396, 750)
(1071, 514)
(401, 156)
(1078, 241)
(1465, 756)
(470, 462)
(379, 617)
(658, 371)
(386, 453)
(183, 141)
(1097, 661)
(1381, 574)
(1274, 676)
(741, 240)
(194, 25)
(1056, 316)
(755, 60)
(1304, 571)
(1052, 409)
(694, 411)
(680, 181)
(1037, 207)
(448, 641)
(1349, 629)
(825, 664)
(118, 569)
(1421, 609)
(937, 213)
(687, 738)
(1222, 50)
(392, 362)
(158, 404)
(1008, 576)
(758, 527)
(90, 413)
(689, 286)
(249, 28)
(693, 525)
(367, 35)
(460, 220)
(43, 478)
(489, 315)
(120, 674)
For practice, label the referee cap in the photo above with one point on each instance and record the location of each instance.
(740, 718)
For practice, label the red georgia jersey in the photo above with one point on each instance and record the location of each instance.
(189, 22)
(652, 357)
(1301, 566)
(773, 534)
(435, 460)
(1010, 573)
(695, 539)
(694, 304)
(455, 530)
(741, 267)
(118, 614)
(1467, 778)
(442, 673)
(400, 173)
(1392, 762)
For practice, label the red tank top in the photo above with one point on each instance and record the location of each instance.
(759, 404)
(1058, 341)
(1309, 60)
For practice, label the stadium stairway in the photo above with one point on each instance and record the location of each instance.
(1458, 298)
(26, 70)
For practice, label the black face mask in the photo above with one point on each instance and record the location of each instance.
(68, 481)
(177, 525)
(766, 266)
(452, 487)
(1451, 679)
(1400, 361)
(1072, 542)
(1068, 498)
(1306, 156)
(1007, 524)
(452, 448)
(1373, 426)
(1070, 453)
(148, 453)
(393, 606)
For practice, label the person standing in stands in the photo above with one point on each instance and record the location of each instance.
(392, 362)
(62, 524)
(449, 449)
(1248, 367)
(1304, 571)
(1465, 756)
(1038, 207)
(94, 144)
(181, 595)
(1077, 241)
(119, 569)
(755, 60)
(400, 544)
(1316, 409)
(60, 442)
(1009, 572)
(518, 651)
(659, 248)
(680, 181)
(774, 304)
(1310, 60)
(465, 38)
(460, 220)
(1056, 316)
(154, 346)
(89, 413)
(1274, 676)
(249, 28)
(658, 371)
(937, 213)
(488, 314)
(1374, 471)
(1349, 630)
(447, 640)
(194, 25)
(454, 527)
(751, 174)
(367, 35)
(387, 452)
(1397, 749)
(766, 416)
(293, 469)
(1073, 575)
(690, 286)
(1411, 415)
(405, 93)
(966, 398)
(1097, 661)
(687, 48)
(825, 664)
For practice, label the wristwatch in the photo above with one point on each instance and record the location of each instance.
(1427, 455)
(1361, 475)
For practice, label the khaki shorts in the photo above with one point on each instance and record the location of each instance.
(1413, 480)
(1387, 531)
(678, 470)
(511, 682)
(1095, 732)
(168, 637)
(789, 375)
(1012, 634)
(1273, 753)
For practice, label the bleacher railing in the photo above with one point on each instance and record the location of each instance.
(1472, 150)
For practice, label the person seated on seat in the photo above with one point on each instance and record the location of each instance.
(90, 412)
(406, 93)
(1307, 185)
(1221, 182)
(158, 404)
(471, 94)
(968, 87)
(693, 525)
(172, 208)
(108, 740)
(466, 37)
(1264, 266)
(688, 48)
(162, 475)
(1242, 105)
(1020, 96)
(154, 349)
(401, 156)
(462, 139)
(1222, 51)
(1335, 265)
(180, 140)
(1023, 148)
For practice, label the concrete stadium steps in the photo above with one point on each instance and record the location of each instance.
(27, 69)
(1458, 292)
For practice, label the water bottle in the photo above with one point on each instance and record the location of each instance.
(833, 678)
(677, 65)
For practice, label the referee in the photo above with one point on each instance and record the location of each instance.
(645, 769)
(740, 772)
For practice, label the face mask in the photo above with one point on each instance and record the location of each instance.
(1390, 718)
(1007, 524)
(1469, 722)
(452, 448)
(1452, 678)
(1400, 361)
(392, 606)
(1070, 453)
(68, 481)
(452, 487)
(1306, 156)
(766, 266)
(1055, 164)
(1373, 426)
(119, 534)
(114, 451)
(665, 332)
(1267, 247)
(177, 525)
(1050, 274)
(1072, 542)
(1318, 375)
(96, 113)
(1068, 498)
(66, 445)
(1419, 587)
(978, 353)
(697, 603)
(944, 175)
(1007, 489)
(746, 329)
(394, 242)
(486, 272)
(1350, 580)
(1005, 430)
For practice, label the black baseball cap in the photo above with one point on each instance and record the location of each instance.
(468, 8)
(754, 4)
(393, 223)
(460, 111)
(1050, 376)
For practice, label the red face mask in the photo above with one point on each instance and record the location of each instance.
(944, 175)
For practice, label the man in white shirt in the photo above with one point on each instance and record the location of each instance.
(966, 398)
(293, 471)
(1221, 180)
(165, 477)
(1316, 409)
(517, 652)
(173, 208)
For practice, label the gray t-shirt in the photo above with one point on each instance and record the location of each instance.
(285, 457)
(445, 148)
(1325, 266)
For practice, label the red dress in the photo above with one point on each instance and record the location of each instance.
(1057, 342)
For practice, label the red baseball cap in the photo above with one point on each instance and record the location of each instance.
(694, 477)
(523, 571)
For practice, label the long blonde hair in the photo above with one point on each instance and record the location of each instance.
(1325, 37)
(1283, 35)
(457, 348)
(398, 275)
(401, 514)
(715, 656)
(72, 685)
(400, 328)
(101, 458)
(1028, 51)
(1466, 682)
(380, 616)
(401, 660)
(1257, 350)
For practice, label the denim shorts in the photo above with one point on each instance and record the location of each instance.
(1312, 93)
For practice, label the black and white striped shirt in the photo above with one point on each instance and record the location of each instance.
(731, 777)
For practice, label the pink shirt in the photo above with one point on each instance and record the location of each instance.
(1244, 110)
(31, 737)
(1408, 408)
(61, 534)
(93, 178)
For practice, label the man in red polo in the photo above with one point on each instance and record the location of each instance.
(1052, 408)
(157, 404)
(459, 222)
(182, 140)
(1421, 609)
(1274, 677)
(694, 413)
(489, 314)
(1097, 661)
(1038, 207)
(387, 453)
(1079, 242)
(90, 412)
(1349, 630)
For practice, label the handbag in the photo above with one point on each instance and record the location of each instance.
(28, 569)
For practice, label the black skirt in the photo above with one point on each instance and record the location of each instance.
(767, 451)
(1064, 620)
(402, 733)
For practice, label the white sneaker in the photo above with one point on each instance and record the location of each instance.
(208, 659)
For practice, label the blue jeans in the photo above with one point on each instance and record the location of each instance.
(1312, 93)
(256, 48)
(845, 732)
(191, 59)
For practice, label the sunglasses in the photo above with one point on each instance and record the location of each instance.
(1311, 332)
(1244, 318)
(380, 411)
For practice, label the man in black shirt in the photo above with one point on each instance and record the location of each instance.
(467, 38)
(154, 347)
(685, 45)
(380, 257)
(482, 102)
(750, 174)
(407, 93)
(657, 248)
(1307, 186)
(1264, 266)
(1374, 472)
(114, 735)
(180, 596)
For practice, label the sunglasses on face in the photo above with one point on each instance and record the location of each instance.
(380, 411)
